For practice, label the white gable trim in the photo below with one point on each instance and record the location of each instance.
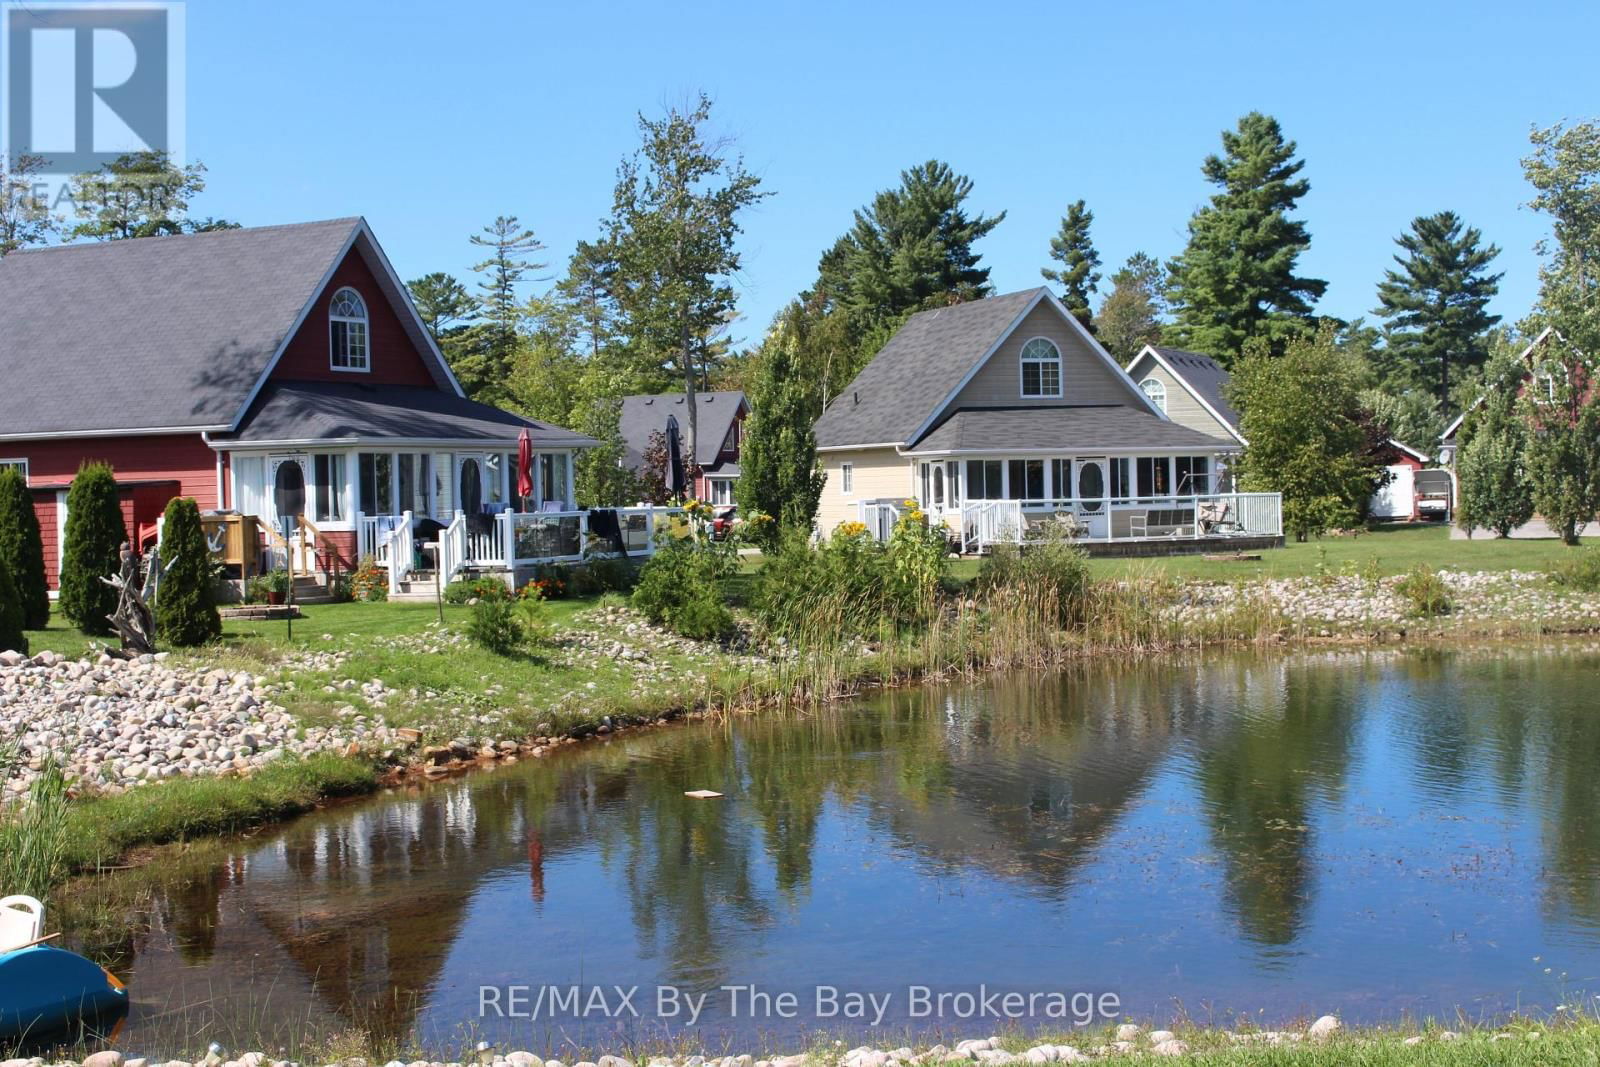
(357, 231)
(1233, 430)
(972, 372)
(299, 320)
(1041, 296)
(1450, 431)
(1105, 357)
(1420, 457)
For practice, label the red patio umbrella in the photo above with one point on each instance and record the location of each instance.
(524, 466)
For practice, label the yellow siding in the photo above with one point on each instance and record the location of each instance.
(879, 473)
(1182, 407)
(1085, 377)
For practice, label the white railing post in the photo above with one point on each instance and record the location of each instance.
(583, 531)
(504, 523)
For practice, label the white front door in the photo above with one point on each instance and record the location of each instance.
(288, 478)
(1089, 490)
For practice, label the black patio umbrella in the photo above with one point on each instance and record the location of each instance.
(675, 481)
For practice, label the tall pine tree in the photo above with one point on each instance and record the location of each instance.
(1073, 251)
(1437, 302)
(1236, 279)
(485, 361)
(22, 548)
(781, 478)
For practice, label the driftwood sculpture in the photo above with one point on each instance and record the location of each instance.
(134, 619)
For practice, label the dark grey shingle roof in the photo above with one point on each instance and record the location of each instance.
(156, 332)
(1206, 377)
(916, 370)
(1112, 427)
(332, 411)
(644, 415)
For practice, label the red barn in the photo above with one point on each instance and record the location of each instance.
(280, 372)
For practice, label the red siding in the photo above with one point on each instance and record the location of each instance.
(343, 551)
(150, 469)
(395, 360)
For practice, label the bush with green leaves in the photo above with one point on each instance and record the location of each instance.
(1053, 565)
(22, 548)
(918, 557)
(1425, 591)
(840, 585)
(95, 535)
(463, 590)
(1579, 571)
(680, 587)
(506, 627)
(11, 616)
(186, 601)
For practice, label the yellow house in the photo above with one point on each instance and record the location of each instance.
(998, 414)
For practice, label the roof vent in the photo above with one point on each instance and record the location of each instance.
(649, 400)
(855, 398)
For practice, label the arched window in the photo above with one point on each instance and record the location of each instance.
(1041, 368)
(347, 332)
(1156, 391)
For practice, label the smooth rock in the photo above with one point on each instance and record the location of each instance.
(1323, 1027)
(1128, 1031)
(1173, 1047)
(1158, 1037)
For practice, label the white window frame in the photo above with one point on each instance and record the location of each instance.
(1023, 359)
(847, 479)
(1159, 396)
(363, 320)
(19, 461)
(719, 486)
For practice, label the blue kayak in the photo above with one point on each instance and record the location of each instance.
(44, 991)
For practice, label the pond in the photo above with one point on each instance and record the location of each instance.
(1380, 835)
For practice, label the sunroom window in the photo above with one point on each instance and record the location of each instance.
(1041, 368)
(347, 325)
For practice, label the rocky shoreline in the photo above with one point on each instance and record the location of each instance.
(1121, 1042)
(114, 724)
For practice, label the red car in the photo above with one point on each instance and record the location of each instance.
(723, 522)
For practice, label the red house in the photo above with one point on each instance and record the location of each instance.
(280, 372)
(719, 425)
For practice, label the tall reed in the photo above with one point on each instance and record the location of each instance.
(33, 832)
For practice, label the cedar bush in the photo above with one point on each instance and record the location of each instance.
(94, 539)
(11, 636)
(186, 603)
(22, 548)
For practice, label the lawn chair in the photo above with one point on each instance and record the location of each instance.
(1216, 517)
(21, 922)
(1069, 526)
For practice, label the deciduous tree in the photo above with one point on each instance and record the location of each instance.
(1130, 315)
(1491, 469)
(780, 477)
(1302, 415)
(25, 216)
(675, 218)
(143, 194)
(1236, 279)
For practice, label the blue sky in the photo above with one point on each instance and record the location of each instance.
(430, 119)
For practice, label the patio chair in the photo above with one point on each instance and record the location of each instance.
(21, 922)
(1216, 517)
(1070, 526)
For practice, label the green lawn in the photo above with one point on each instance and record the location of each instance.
(1391, 549)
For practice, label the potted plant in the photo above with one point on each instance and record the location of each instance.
(276, 586)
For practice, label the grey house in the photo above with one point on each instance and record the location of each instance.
(719, 424)
(994, 416)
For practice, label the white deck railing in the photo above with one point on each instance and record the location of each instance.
(982, 523)
(509, 540)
